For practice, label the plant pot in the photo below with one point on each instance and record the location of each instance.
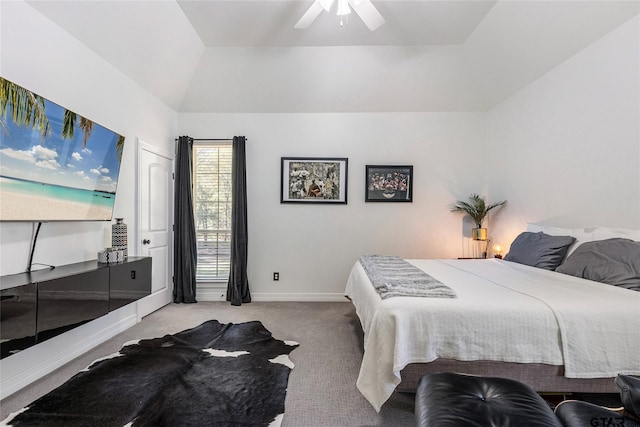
(479, 233)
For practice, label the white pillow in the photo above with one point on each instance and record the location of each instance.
(581, 234)
(602, 233)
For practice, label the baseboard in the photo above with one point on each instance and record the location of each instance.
(31, 364)
(299, 297)
(205, 295)
(153, 302)
(211, 294)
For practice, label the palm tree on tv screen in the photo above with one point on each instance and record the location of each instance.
(28, 109)
(69, 126)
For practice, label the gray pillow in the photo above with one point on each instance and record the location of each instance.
(539, 249)
(612, 261)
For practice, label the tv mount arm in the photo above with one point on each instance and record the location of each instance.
(33, 248)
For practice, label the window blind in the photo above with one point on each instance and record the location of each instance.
(212, 209)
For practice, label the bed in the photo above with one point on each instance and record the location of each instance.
(554, 331)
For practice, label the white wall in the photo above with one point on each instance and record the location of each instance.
(563, 150)
(38, 55)
(314, 246)
(566, 149)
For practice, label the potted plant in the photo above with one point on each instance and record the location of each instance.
(477, 209)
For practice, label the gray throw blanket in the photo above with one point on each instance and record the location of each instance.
(392, 277)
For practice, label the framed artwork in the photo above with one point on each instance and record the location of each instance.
(388, 183)
(313, 180)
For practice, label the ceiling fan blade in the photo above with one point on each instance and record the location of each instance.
(309, 16)
(368, 13)
(326, 4)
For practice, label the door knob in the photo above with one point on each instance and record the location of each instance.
(146, 241)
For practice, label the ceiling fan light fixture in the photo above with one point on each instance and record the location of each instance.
(363, 8)
(343, 8)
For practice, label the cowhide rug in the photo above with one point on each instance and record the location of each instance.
(212, 375)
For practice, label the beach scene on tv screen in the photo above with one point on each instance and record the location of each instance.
(55, 165)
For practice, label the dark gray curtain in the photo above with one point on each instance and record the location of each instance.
(184, 234)
(238, 286)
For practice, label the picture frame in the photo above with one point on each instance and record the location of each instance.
(314, 180)
(388, 183)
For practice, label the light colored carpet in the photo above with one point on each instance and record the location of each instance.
(322, 390)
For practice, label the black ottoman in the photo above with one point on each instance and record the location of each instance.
(448, 399)
(576, 413)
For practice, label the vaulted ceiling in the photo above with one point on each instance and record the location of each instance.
(245, 55)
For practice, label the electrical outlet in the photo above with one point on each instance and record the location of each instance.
(276, 276)
(133, 274)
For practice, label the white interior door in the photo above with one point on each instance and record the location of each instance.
(155, 207)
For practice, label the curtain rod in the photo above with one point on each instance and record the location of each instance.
(212, 139)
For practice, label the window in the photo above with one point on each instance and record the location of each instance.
(212, 209)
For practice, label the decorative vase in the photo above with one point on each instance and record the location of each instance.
(119, 236)
(110, 256)
(479, 233)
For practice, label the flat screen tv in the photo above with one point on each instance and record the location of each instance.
(55, 165)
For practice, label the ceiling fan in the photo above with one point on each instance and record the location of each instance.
(365, 10)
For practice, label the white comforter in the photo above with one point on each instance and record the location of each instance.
(504, 312)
